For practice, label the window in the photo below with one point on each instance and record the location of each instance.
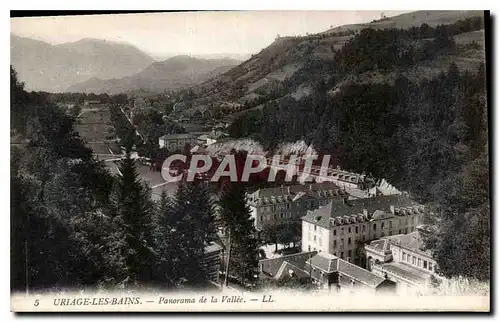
(400, 231)
(349, 253)
(412, 228)
(314, 239)
(374, 226)
(342, 255)
(335, 232)
(356, 229)
(310, 226)
(390, 225)
(430, 267)
(342, 242)
(425, 264)
(364, 227)
(281, 215)
(382, 225)
(309, 248)
(261, 218)
(349, 230)
(349, 241)
(413, 261)
(334, 244)
(419, 262)
(341, 231)
(315, 227)
(404, 257)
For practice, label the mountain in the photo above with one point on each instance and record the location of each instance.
(53, 68)
(289, 66)
(171, 74)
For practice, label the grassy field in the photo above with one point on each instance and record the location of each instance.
(94, 126)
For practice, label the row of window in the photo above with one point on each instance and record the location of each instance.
(419, 262)
(276, 216)
(307, 204)
(363, 227)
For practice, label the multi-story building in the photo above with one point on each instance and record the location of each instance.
(341, 227)
(176, 142)
(289, 203)
(402, 259)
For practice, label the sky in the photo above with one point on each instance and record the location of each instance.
(196, 33)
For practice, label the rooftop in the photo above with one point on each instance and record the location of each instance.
(272, 266)
(359, 274)
(339, 212)
(406, 271)
(295, 192)
(328, 263)
(412, 241)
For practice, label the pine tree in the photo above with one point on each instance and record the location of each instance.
(194, 230)
(132, 209)
(165, 242)
(236, 218)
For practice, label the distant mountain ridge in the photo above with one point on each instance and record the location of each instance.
(286, 67)
(53, 68)
(171, 74)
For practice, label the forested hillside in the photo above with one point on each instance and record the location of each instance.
(426, 135)
(74, 226)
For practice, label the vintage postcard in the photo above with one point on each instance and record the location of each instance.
(250, 161)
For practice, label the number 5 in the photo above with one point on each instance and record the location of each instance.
(36, 302)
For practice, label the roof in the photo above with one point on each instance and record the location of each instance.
(412, 241)
(328, 263)
(296, 192)
(404, 270)
(272, 266)
(379, 245)
(287, 268)
(354, 210)
(359, 274)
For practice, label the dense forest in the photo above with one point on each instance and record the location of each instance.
(429, 137)
(74, 226)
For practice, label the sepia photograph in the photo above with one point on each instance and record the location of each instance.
(250, 161)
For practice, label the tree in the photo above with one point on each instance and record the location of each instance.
(193, 228)
(131, 209)
(236, 218)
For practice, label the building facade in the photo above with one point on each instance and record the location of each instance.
(290, 203)
(342, 227)
(402, 259)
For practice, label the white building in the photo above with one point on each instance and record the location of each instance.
(289, 203)
(402, 259)
(341, 227)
